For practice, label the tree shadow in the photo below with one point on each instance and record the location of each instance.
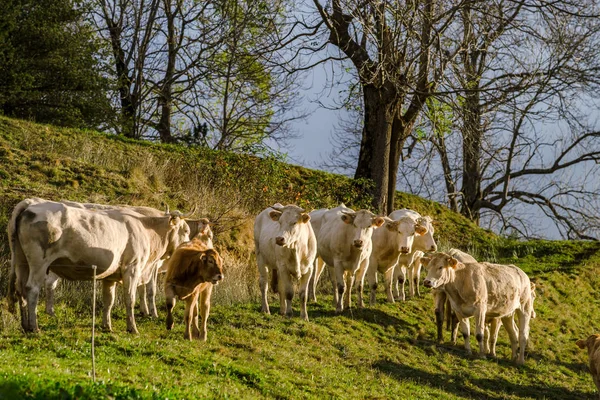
(462, 385)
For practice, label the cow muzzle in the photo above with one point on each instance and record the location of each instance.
(280, 241)
(404, 250)
(427, 283)
(217, 278)
(433, 248)
(358, 243)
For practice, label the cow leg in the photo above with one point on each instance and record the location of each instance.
(410, 277)
(348, 292)
(303, 287)
(190, 304)
(494, 329)
(333, 277)
(360, 280)
(151, 289)
(50, 287)
(195, 328)
(453, 324)
(318, 267)
(263, 281)
(143, 302)
(108, 298)
(286, 293)
(524, 318)
(205, 310)
(341, 288)
(465, 328)
(439, 299)
(372, 281)
(170, 300)
(479, 315)
(130, 285)
(509, 326)
(388, 276)
(417, 275)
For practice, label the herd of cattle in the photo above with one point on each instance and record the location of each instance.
(129, 244)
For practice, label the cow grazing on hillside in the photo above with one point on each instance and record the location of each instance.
(191, 273)
(285, 244)
(344, 244)
(393, 239)
(409, 265)
(592, 344)
(51, 236)
(485, 291)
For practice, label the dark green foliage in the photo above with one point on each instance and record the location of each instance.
(49, 64)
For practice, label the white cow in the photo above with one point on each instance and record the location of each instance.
(285, 243)
(393, 239)
(409, 264)
(46, 235)
(344, 244)
(487, 292)
(147, 284)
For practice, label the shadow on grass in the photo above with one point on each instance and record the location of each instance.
(369, 315)
(464, 386)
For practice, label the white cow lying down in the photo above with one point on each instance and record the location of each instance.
(484, 291)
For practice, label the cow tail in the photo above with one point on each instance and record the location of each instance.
(14, 246)
(274, 281)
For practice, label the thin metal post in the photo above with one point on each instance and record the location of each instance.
(94, 326)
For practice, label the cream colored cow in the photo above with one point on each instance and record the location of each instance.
(485, 291)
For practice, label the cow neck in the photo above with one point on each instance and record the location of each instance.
(159, 228)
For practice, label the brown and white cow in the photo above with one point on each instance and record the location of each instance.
(191, 273)
(393, 239)
(285, 244)
(344, 244)
(409, 266)
(484, 291)
(52, 236)
(592, 344)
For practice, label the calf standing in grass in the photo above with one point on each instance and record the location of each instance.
(191, 273)
(484, 291)
(285, 244)
(592, 343)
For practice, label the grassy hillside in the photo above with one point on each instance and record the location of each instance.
(383, 352)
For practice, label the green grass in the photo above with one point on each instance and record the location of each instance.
(387, 351)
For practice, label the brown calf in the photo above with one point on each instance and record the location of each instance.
(191, 273)
(592, 343)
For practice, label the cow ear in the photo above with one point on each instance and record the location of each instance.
(425, 261)
(378, 221)
(347, 219)
(392, 226)
(452, 262)
(582, 344)
(274, 215)
(420, 229)
(305, 218)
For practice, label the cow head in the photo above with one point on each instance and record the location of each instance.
(425, 241)
(201, 229)
(405, 230)
(440, 269)
(210, 266)
(292, 220)
(362, 222)
(590, 343)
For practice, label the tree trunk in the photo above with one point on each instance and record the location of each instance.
(472, 140)
(124, 82)
(165, 101)
(374, 156)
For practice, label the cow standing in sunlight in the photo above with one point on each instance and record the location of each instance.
(344, 244)
(285, 244)
(484, 291)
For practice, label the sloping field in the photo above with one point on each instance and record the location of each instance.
(387, 351)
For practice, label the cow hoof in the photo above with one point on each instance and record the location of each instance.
(133, 331)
